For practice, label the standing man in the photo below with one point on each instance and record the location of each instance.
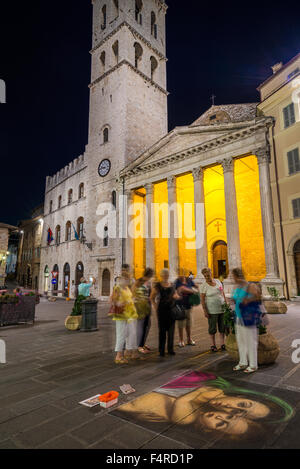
(84, 287)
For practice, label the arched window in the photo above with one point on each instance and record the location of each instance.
(57, 235)
(68, 231)
(115, 48)
(138, 52)
(154, 65)
(106, 283)
(80, 227)
(59, 202)
(138, 11)
(114, 199)
(103, 61)
(81, 191)
(116, 8)
(105, 135)
(70, 196)
(104, 17)
(153, 25)
(105, 237)
(51, 206)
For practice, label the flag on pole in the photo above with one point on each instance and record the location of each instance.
(50, 236)
(75, 233)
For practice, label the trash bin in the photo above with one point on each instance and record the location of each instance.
(89, 315)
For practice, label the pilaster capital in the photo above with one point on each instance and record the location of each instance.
(227, 164)
(263, 155)
(198, 174)
(171, 180)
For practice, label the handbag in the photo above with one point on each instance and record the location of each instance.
(116, 310)
(178, 313)
(251, 313)
(194, 299)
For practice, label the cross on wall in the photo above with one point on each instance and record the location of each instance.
(218, 226)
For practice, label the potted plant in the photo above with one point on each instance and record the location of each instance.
(275, 306)
(73, 322)
(268, 348)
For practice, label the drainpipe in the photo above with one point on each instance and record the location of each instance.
(280, 212)
(123, 239)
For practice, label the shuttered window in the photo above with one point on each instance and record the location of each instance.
(296, 208)
(289, 115)
(293, 161)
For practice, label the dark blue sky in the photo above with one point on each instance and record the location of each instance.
(45, 61)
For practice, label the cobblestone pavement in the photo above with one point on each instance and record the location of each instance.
(50, 370)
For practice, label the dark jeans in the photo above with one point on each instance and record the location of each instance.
(147, 325)
(165, 330)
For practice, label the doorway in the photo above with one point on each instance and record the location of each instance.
(67, 272)
(220, 260)
(297, 264)
(106, 283)
(55, 276)
(78, 276)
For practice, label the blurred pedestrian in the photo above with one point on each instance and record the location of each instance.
(84, 287)
(185, 287)
(162, 298)
(141, 293)
(247, 298)
(212, 299)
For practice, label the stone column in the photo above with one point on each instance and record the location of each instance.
(129, 242)
(173, 230)
(149, 230)
(271, 259)
(200, 224)
(232, 223)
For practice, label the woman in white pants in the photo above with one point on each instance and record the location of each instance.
(125, 316)
(246, 335)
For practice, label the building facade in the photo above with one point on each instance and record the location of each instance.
(5, 231)
(29, 252)
(280, 98)
(221, 163)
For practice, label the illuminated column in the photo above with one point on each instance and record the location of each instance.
(173, 229)
(149, 231)
(232, 223)
(200, 223)
(129, 250)
(272, 276)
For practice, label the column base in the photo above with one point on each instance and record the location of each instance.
(272, 282)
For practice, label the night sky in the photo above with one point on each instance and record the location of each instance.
(45, 62)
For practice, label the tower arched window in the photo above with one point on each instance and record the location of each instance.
(80, 227)
(57, 235)
(105, 237)
(114, 199)
(103, 60)
(81, 191)
(68, 231)
(105, 135)
(115, 48)
(138, 52)
(138, 11)
(154, 65)
(104, 17)
(59, 202)
(70, 196)
(116, 8)
(51, 206)
(153, 25)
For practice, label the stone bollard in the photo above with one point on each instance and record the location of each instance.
(89, 315)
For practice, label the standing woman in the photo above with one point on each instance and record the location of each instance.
(247, 297)
(212, 299)
(125, 316)
(141, 293)
(164, 291)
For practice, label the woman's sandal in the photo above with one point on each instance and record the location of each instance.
(213, 349)
(250, 370)
(122, 361)
(223, 348)
(239, 368)
(191, 342)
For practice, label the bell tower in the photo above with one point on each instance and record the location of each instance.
(128, 96)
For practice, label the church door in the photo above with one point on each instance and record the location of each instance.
(297, 264)
(220, 260)
(106, 283)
